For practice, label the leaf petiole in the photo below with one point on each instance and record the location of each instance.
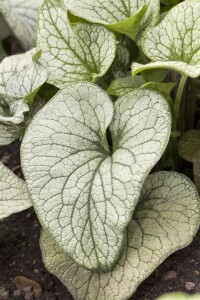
(178, 100)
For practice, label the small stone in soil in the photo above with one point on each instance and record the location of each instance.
(170, 275)
(27, 289)
(17, 293)
(189, 286)
(22, 283)
(29, 296)
(4, 295)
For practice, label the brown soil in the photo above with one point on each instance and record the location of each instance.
(20, 256)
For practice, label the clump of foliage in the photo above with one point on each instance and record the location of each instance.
(93, 130)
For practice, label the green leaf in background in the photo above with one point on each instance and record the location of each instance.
(121, 86)
(21, 16)
(14, 196)
(4, 33)
(179, 296)
(82, 52)
(11, 65)
(127, 17)
(2, 52)
(189, 149)
(174, 43)
(84, 193)
(166, 219)
(26, 83)
(163, 88)
(196, 170)
(156, 75)
(189, 145)
(121, 62)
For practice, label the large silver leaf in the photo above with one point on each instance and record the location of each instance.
(165, 220)
(83, 193)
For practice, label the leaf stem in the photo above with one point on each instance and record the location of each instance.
(178, 100)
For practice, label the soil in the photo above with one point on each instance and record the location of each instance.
(20, 255)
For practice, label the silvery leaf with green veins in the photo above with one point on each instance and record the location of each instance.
(26, 83)
(13, 193)
(83, 191)
(189, 149)
(165, 220)
(13, 64)
(121, 86)
(8, 134)
(12, 110)
(21, 16)
(124, 16)
(174, 43)
(82, 52)
(11, 115)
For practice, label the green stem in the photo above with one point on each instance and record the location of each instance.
(178, 100)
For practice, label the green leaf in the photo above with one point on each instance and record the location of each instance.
(26, 83)
(4, 33)
(157, 75)
(4, 29)
(127, 17)
(13, 193)
(189, 145)
(82, 52)
(196, 170)
(11, 65)
(189, 149)
(174, 43)
(162, 87)
(121, 86)
(82, 193)
(21, 16)
(179, 296)
(2, 52)
(121, 63)
(165, 220)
